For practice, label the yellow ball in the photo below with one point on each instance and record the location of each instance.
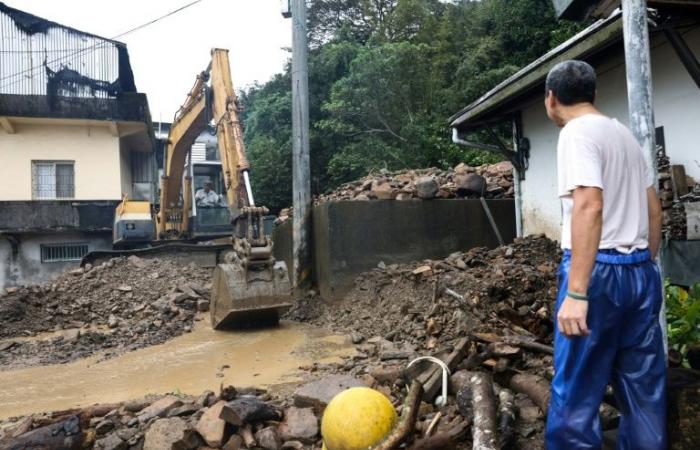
(356, 419)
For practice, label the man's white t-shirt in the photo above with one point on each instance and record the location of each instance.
(597, 151)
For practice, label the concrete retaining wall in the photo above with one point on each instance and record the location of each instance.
(351, 237)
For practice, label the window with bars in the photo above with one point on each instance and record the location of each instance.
(53, 179)
(63, 252)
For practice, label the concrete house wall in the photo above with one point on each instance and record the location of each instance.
(676, 109)
(92, 148)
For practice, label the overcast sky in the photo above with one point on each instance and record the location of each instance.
(167, 55)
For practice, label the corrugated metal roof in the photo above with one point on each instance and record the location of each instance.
(40, 57)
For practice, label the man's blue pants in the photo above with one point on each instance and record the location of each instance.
(624, 348)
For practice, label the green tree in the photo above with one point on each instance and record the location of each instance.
(384, 76)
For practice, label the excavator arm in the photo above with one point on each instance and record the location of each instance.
(219, 103)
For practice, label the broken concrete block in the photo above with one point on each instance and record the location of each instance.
(104, 426)
(111, 442)
(268, 439)
(234, 443)
(469, 184)
(211, 426)
(170, 433)
(299, 424)
(159, 408)
(318, 393)
(386, 374)
(426, 187)
(202, 305)
(383, 191)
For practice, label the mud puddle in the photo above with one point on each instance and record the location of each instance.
(188, 364)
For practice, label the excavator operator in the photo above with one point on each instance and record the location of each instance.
(206, 197)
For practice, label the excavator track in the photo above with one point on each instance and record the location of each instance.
(202, 255)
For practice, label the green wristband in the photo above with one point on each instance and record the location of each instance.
(577, 296)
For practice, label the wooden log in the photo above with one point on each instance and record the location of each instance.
(524, 342)
(64, 435)
(679, 180)
(506, 418)
(534, 386)
(459, 384)
(406, 422)
(434, 384)
(484, 428)
(442, 441)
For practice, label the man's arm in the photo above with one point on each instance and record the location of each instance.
(655, 220)
(586, 228)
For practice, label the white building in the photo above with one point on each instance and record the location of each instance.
(519, 99)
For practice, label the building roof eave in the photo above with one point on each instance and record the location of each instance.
(597, 36)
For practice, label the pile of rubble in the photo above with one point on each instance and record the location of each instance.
(230, 420)
(120, 305)
(484, 313)
(679, 195)
(493, 181)
(429, 303)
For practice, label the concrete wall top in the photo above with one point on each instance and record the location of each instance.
(676, 100)
(351, 237)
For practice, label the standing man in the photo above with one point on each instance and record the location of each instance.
(607, 312)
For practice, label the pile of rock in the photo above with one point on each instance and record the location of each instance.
(120, 305)
(230, 420)
(430, 303)
(493, 181)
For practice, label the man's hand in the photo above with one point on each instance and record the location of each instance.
(571, 318)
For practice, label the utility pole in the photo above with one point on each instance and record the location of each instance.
(635, 29)
(639, 87)
(301, 174)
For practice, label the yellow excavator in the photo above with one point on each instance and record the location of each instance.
(249, 286)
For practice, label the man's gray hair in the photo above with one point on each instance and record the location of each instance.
(572, 82)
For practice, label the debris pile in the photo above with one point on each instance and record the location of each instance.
(231, 420)
(120, 305)
(679, 195)
(429, 303)
(487, 314)
(493, 181)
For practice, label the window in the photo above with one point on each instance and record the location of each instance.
(52, 179)
(63, 252)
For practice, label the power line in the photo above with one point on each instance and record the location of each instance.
(95, 46)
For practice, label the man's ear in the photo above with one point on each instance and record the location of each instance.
(550, 99)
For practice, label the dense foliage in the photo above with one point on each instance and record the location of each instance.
(384, 76)
(683, 316)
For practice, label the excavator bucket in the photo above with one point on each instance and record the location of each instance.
(247, 298)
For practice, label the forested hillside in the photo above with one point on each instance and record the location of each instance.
(384, 76)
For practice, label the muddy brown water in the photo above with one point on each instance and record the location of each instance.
(188, 364)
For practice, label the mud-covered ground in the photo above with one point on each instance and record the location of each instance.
(121, 305)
